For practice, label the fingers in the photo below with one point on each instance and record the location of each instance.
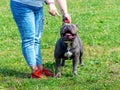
(57, 14)
(66, 18)
(54, 13)
(53, 10)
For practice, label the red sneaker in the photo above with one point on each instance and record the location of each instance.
(47, 72)
(37, 74)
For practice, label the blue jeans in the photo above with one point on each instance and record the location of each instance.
(30, 21)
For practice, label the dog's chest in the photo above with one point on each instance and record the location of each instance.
(68, 54)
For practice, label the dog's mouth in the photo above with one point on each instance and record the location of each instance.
(68, 35)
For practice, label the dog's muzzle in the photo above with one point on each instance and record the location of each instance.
(68, 36)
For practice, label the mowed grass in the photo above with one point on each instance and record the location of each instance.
(99, 28)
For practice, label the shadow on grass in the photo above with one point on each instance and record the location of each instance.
(11, 72)
(65, 73)
(50, 66)
(7, 71)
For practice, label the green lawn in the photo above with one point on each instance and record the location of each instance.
(99, 28)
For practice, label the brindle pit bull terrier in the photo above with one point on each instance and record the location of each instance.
(69, 46)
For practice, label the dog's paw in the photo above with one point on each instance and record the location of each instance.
(58, 75)
(74, 73)
(82, 64)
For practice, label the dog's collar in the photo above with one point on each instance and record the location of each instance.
(68, 43)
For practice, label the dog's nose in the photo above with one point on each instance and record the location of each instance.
(68, 34)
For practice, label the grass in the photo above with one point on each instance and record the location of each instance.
(99, 28)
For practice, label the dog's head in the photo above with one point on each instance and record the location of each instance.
(68, 32)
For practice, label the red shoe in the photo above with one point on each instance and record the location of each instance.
(47, 72)
(37, 74)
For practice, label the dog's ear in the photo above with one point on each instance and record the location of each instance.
(76, 25)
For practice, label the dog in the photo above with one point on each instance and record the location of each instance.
(69, 46)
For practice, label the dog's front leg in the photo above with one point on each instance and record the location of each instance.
(58, 64)
(63, 62)
(75, 63)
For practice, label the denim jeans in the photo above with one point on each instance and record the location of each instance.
(30, 21)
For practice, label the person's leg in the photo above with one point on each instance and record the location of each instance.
(25, 21)
(39, 22)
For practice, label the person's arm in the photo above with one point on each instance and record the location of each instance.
(52, 8)
(63, 7)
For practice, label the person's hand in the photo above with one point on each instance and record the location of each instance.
(66, 18)
(53, 10)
